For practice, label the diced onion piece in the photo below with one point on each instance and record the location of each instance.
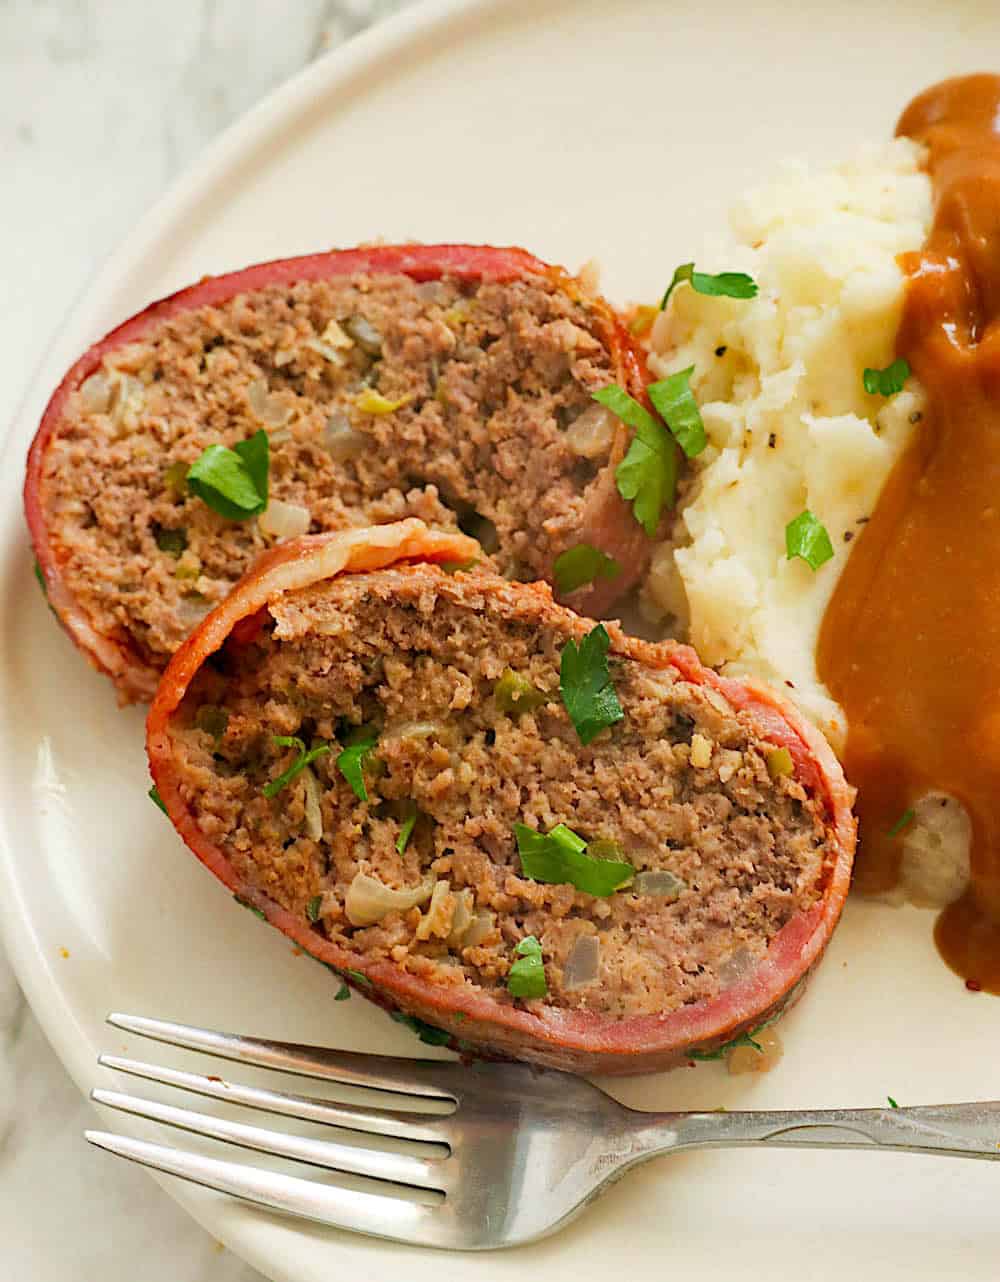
(257, 396)
(432, 291)
(747, 1059)
(192, 609)
(662, 883)
(334, 336)
(589, 276)
(461, 918)
(269, 409)
(935, 869)
(591, 433)
(95, 394)
(128, 359)
(437, 920)
(313, 808)
(736, 967)
(365, 335)
(127, 399)
(583, 963)
(284, 520)
(411, 730)
(326, 351)
(368, 899)
(341, 440)
(482, 926)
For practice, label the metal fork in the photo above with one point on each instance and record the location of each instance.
(518, 1152)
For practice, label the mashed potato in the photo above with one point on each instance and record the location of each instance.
(789, 424)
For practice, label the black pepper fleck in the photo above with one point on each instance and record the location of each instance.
(848, 535)
(916, 416)
(720, 351)
(772, 441)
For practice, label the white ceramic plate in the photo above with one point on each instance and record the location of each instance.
(611, 129)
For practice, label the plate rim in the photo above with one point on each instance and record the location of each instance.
(345, 74)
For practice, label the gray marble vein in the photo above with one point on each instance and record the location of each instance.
(102, 102)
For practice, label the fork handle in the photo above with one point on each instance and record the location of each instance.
(958, 1130)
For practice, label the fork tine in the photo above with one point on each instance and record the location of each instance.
(343, 1208)
(397, 1125)
(376, 1164)
(374, 1072)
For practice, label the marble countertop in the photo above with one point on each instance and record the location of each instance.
(102, 103)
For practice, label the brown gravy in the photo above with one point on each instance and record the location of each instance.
(910, 644)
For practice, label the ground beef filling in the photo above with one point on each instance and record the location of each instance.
(680, 784)
(485, 380)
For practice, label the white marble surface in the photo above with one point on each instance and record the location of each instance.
(102, 102)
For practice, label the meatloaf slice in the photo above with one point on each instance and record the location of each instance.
(434, 711)
(445, 382)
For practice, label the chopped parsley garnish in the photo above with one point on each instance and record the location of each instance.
(233, 482)
(744, 1039)
(257, 912)
(583, 564)
(351, 762)
(155, 798)
(585, 684)
(560, 857)
(888, 381)
(359, 978)
(647, 475)
(516, 694)
(406, 831)
(314, 908)
(459, 567)
(907, 817)
(427, 1033)
(724, 284)
(674, 401)
(892, 1102)
(44, 586)
(806, 537)
(343, 994)
(526, 978)
(306, 757)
